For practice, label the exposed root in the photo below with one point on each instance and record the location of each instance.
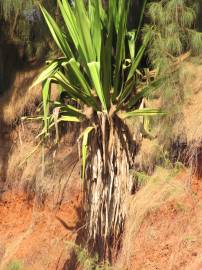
(108, 182)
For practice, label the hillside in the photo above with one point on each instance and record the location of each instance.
(100, 135)
(41, 204)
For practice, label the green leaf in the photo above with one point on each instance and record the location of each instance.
(69, 107)
(70, 21)
(141, 19)
(46, 97)
(138, 57)
(73, 91)
(48, 71)
(79, 76)
(120, 47)
(58, 36)
(69, 118)
(145, 92)
(94, 69)
(74, 29)
(85, 135)
(127, 90)
(103, 14)
(131, 42)
(96, 26)
(62, 80)
(106, 61)
(69, 110)
(84, 28)
(142, 112)
(36, 118)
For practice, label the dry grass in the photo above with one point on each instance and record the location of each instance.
(20, 159)
(25, 168)
(191, 124)
(147, 156)
(20, 99)
(23, 143)
(162, 187)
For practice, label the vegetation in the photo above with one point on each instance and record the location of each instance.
(173, 40)
(88, 262)
(24, 38)
(172, 33)
(18, 10)
(15, 265)
(23, 26)
(101, 82)
(98, 76)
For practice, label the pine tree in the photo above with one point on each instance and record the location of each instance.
(172, 25)
(23, 36)
(14, 14)
(22, 23)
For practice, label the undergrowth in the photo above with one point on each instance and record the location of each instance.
(15, 265)
(88, 261)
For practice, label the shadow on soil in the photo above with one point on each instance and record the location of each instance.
(79, 228)
(11, 63)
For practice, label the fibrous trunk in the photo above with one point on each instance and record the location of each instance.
(108, 183)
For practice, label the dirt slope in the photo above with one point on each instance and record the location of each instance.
(169, 235)
(40, 215)
(35, 237)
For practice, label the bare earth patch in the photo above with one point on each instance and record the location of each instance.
(37, 237)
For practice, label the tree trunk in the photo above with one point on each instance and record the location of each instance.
(108, 183)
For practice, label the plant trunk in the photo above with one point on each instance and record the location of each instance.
(108, 183)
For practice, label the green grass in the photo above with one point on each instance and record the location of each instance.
(15, 265)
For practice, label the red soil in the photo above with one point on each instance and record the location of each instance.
(170, 237)
(37, 237)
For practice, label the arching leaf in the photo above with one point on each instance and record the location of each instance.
(85, 135)
(142, 112)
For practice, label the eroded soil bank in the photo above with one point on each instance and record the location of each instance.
(41, 238)
(41, 215)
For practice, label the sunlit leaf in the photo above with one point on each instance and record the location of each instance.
(142, 112)
(58, 36)
(94, 68)
(85, 135)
